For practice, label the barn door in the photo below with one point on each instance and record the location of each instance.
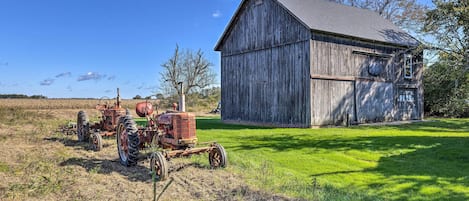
(332, 102)
(407, 103)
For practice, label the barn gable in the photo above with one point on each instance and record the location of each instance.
(260, 24)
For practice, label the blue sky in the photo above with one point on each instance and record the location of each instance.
(88, 48)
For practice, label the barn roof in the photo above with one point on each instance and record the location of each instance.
(330, 17)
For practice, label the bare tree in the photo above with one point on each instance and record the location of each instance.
(407, 14)
(189, 68)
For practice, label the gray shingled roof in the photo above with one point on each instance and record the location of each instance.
(332, 17)
(326, 16)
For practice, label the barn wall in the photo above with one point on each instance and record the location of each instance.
(262, 26)
(265, 68)
(355, 80)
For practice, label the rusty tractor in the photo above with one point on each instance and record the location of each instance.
(172, 133)
(93, 132)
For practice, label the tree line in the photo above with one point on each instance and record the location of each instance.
(22, 96)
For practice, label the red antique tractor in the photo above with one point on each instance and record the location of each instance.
(173, 133)
(110, 115)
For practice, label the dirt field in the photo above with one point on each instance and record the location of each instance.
(39, 163)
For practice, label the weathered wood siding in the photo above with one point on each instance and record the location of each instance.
(265, 68)
(332, 102)
(355, 80)
(415, 84)
(262, 26)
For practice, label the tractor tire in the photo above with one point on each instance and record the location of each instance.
(96, 141)
(158, 166)
(83, 127)
(127, 141)
(217, 156)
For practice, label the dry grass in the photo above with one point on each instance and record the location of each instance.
(62, 103)
(54, 104)
(38, 163)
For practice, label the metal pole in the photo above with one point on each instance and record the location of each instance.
(182, 99)
(118, 98)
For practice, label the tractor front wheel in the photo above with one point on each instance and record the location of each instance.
(127, 141)
(83, 127)
(158, 166)
(217, 156)
(96, 141)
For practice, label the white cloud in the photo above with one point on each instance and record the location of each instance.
(91, 76)
(216, 14)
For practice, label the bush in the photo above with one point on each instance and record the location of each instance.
(446, 90)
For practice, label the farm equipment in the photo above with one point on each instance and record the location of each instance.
(69, 129)
(173, 133)
(217, 110)
(110, 115)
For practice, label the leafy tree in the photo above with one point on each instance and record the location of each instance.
(448, 22)
(446, 90)
(137, 97)
(159, 96)
(447, 81)
(190, 68)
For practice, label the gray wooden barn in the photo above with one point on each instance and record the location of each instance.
(307, 63)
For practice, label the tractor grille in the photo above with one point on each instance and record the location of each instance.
(184, 125)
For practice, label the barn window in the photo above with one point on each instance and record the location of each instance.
(408, 71)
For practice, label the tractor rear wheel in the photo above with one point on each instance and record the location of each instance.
(127, 141)
(217, 156)
(96, 141)
(158, 166)
(83, 127)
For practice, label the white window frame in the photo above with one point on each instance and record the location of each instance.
(408, 65)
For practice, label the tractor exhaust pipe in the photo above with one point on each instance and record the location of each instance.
(118, 101)
(182, 99)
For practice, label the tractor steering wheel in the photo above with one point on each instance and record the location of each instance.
(106, 101)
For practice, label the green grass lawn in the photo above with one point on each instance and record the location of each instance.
(420, 161)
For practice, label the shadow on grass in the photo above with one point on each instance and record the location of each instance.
(74, 143)
(103, 166)
(100, 166)
(441, 125)
(216, 123)
(133, 173)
